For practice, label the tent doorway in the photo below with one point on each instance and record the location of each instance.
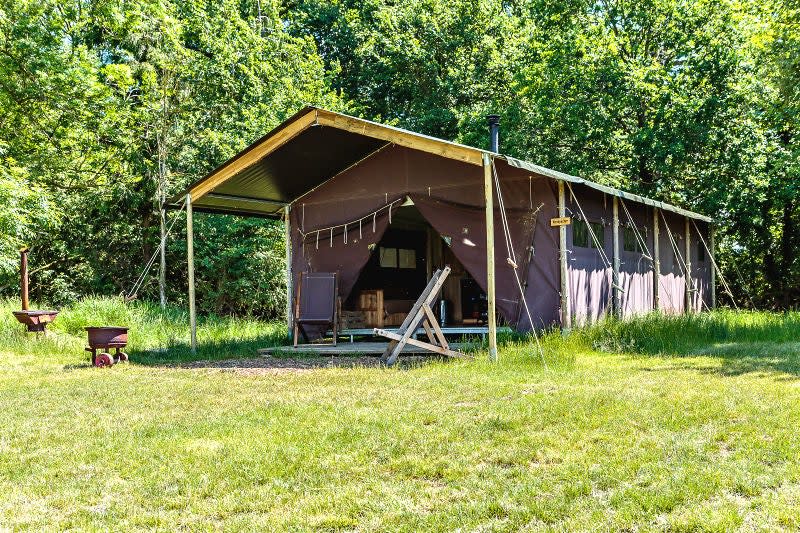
(398, 270)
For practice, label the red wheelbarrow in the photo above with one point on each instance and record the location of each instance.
(103, 339)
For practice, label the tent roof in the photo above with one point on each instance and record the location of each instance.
(314, 145)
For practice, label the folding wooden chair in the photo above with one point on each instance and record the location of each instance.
(422, 313)
(316, 303)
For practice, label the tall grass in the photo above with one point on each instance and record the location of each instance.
(155, 335)
(685, 334)
(160, 336)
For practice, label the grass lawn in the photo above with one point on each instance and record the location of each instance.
(659, 424)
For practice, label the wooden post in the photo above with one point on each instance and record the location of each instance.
(656, 263)
(615, 292)
(566, 312)
(490, 293)
(688, 255)
(162, 267)
(713, 262)
(23, 274)
(289, 274)
(190, 259)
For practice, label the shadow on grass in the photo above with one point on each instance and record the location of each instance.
(207, 351)
(242, 355)
(302, 362)
(738, 358)
(763, 357)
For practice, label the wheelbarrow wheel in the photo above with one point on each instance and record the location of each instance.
(123, 357)
(103, 359)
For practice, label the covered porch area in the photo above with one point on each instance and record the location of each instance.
(382, 208)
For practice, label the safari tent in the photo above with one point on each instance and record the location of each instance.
(385, 207)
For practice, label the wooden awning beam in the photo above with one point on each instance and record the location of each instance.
(322, 117)
(416, 141)
(254, 154)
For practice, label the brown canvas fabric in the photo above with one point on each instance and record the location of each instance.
(636, 267)
(672, 286)
(449, 195)
(465, 229)
(589, 273)
(319, 250)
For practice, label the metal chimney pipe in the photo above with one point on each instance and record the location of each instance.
(494, 132)
(23, 268)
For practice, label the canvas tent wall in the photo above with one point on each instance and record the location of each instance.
(326, 173)
(339, 223)
(590, 271)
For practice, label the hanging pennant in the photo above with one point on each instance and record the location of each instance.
(317, 240)
(345, 233)
(331, 237)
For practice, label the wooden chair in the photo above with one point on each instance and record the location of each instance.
(421, 312)
(316, 303)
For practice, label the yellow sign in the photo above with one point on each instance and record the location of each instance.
(561, 221)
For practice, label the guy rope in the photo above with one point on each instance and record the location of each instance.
(140, 280)
(511, 258)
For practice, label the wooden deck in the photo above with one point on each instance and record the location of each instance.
(450, 330)
(349, 348)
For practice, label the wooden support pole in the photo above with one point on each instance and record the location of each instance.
(490, 292)
(190, 260)
(713, 260)
(23, 273)
(688, 256)
(656, 263)
(615, 283)
(566, 312)
(289, 273)
(162, 266)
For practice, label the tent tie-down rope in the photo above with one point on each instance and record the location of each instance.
(716, 267)
(636, 231)
(140, 280)
(682, 266)
(600, 248)
(643, 243)
(512, 259)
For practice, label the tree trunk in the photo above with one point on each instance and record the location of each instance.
(788, 251)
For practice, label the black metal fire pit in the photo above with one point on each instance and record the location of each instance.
(34, 321)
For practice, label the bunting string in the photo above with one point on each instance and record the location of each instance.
(332, 229)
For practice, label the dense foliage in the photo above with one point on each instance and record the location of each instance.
(108, 108)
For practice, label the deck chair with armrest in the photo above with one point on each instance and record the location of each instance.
(316, 303)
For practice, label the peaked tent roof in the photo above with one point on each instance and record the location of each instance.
(314, 145)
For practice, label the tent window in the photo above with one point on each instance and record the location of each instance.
(388, 257)
(581, 237)
(398, 258)
(629, 241)
(407, 258)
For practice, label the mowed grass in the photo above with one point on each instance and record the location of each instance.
(155, 336)
(699, 433)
